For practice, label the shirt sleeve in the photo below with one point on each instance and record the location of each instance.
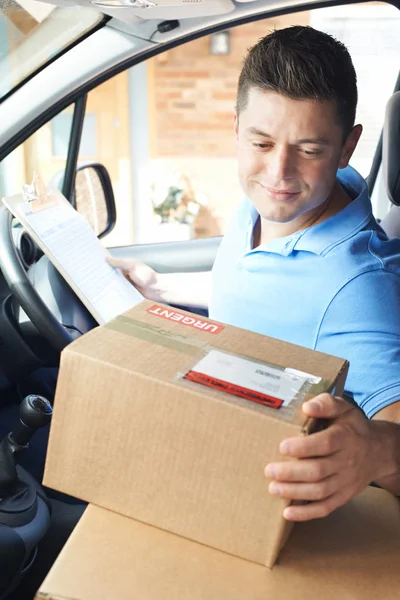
(362, 325)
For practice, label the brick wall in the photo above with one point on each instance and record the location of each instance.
(194, 92)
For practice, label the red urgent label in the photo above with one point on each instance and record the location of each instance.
(235, 390)
(178, 317)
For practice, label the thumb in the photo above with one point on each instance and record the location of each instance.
(132, 270)
(326, 406)
(141, 275)
(125, 264)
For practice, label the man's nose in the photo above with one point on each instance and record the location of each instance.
(280, 164)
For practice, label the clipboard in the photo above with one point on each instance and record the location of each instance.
(69, 242)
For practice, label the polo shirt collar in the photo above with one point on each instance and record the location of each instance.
(320, 238)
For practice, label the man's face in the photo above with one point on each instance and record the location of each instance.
(288, 154)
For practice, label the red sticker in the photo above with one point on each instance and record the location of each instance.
(235, 390)
(178, 317)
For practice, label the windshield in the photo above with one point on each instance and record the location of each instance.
(32, 33)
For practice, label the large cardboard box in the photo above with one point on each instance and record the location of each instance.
(351, 555)
(170, 419)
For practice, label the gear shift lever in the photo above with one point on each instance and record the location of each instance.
(35, 412)
(24, 510)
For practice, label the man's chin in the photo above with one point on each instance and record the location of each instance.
(278, 217)
(276, 211)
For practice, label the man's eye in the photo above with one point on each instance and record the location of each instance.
(261, 146)
(312, 152)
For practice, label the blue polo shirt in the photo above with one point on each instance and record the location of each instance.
(333, 287)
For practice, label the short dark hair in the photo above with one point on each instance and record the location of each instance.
(300, 62)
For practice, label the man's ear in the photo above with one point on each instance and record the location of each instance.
(236, 124)
(350, 145)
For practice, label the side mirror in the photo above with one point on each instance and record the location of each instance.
(94, 198)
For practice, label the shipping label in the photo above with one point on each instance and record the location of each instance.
(248, 379)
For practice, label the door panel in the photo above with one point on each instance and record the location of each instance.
(173, 257)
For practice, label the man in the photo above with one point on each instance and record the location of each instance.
(305, 261)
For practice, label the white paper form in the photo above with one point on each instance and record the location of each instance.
(71, 244)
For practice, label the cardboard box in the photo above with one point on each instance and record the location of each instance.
(352, 555)
(170, 419)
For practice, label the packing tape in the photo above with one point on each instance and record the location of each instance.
(156, 335)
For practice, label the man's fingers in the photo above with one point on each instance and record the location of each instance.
(325, 406)
(302, 470)
(127, 268)
(306, 491)
(326, 442)
(136, 272)
(317, 510)
(125, 264)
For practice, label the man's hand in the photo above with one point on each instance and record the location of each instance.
(144, 278)
(182, 289)
(332, 465)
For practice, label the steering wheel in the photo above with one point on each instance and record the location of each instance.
(57, 333)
